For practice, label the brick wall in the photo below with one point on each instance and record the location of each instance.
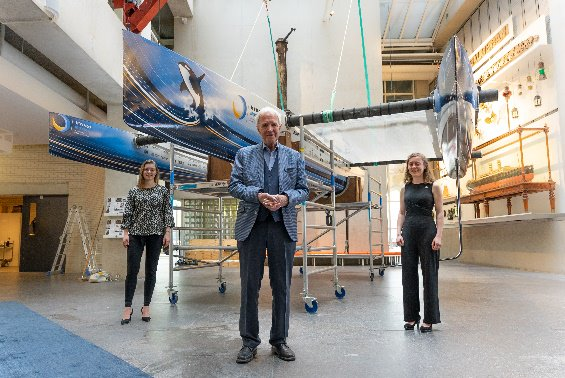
(32, 165)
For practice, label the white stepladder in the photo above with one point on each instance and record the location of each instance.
(311, 302)
(375, 218)
(76, 216)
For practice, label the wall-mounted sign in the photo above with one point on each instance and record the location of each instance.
(535, 35)
(113, 229)
(115, 206)
(507, 58)
(494, 42)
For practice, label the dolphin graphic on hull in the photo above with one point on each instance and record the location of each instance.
(191, 83)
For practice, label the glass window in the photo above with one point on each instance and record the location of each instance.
(398, 90)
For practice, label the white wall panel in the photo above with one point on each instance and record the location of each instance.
(483, 15)
(504, 9)
(543, 6)
(313, 49)
(475, 30)
(492, 13)
(531, 13)
(516, 11)
(468, 37)
(494, 16)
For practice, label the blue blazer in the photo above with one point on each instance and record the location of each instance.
(247, 179)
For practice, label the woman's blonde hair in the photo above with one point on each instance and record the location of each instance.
(428, 176)
(142, 167)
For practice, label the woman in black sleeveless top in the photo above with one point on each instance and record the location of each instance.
(420, 239)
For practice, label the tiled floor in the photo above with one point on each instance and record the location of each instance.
(495, 322)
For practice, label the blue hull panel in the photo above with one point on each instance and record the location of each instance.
(176, 99)
(96, 144)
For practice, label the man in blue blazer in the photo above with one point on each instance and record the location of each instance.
(270, 180)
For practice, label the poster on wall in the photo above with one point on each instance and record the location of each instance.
(115, 206)
(113, 229)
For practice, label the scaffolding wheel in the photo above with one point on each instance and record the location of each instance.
(222, 287)
(372, 276)
(173, 297)
(381, 272)
(340, 292)
(311, 309)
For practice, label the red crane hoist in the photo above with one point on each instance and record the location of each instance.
(137, 15)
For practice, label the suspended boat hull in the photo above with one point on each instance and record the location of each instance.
(176, 99)
(96, 144)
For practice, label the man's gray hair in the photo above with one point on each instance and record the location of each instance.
(268, 110)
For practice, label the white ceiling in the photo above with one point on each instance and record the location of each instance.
(26, 120)
(411, 20)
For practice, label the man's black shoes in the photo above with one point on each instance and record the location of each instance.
(283, 352)
(245, 355)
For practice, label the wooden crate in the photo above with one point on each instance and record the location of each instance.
(211, 254)
(218, 169)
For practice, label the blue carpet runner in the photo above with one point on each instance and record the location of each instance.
(31, 345)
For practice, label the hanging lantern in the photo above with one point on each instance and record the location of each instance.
(541, 71)
(530, 82)
(507, 93)
(519, 89)
(537, 100)
(515, 112)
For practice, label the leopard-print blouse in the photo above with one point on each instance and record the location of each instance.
(148, 211)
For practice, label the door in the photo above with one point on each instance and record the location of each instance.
(43, 221)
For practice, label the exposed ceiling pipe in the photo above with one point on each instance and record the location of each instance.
(413, 56)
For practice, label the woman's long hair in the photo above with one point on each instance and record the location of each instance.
(428, 176)
(142, 167)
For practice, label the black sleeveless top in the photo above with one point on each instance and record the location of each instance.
(418, 199)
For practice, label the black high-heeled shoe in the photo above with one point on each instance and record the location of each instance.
(126, 321)
(145, 318)
(410, 327)
(425, 329)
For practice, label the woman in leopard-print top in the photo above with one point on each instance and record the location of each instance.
(148, 219)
